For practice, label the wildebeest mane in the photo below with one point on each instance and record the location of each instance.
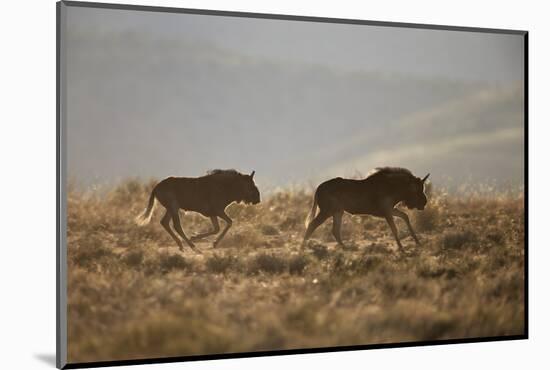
(390, 171)
(227, 172)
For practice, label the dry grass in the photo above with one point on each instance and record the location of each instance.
(132, 294)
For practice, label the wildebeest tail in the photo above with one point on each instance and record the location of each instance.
(145, 216)
(311, 214)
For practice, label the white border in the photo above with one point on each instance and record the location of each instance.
(28, 182)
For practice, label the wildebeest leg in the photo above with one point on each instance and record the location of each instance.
(314, 224)
(389, 218)
(405, 218)
(177, 225)
(165, 222)
(216, 229)
(337, 226)
(228, 223)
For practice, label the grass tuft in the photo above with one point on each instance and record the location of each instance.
(458, 239)
(267, 263)
(220, 264)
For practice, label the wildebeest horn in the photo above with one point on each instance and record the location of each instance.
(252, 174)
(425, 178)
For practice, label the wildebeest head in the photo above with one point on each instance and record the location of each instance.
(249, 192)
(415, 197)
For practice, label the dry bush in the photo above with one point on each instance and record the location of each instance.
(426, 220)
(134, 258)
(434, 267)
(297, 264)
(169, 262)
(268, 263)
(457, 239)
(319, 250)
(221, 263)
(429, 219)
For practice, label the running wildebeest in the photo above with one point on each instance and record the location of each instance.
(376, 195)
(208, 195)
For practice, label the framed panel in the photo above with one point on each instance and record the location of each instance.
(238, 184)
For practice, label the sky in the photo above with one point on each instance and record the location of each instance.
(471, 56)
(159, 94)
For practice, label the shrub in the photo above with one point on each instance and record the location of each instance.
(457, 239)
(426, 220)
(268, 263)
(127, 191)
(377, 248)
(220, 264)
(169, 262)
(350, 265)
(90, 254)
(319, 250)
(133, 258)
(371, 262)
(297, 264)
(433, 268)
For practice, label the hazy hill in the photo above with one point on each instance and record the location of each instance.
(143, 107)
(475, 138)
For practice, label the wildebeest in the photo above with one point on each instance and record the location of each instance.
(208, 195)
(376, 195)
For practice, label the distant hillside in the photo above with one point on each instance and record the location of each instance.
(179, 107)
(476, 138)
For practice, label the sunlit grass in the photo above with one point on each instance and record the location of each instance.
(132, 294)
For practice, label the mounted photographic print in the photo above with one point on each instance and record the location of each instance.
(237, 184)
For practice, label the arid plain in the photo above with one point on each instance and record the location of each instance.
(132, 294)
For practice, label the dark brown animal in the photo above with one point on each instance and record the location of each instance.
(208, 195)
(376, 195)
